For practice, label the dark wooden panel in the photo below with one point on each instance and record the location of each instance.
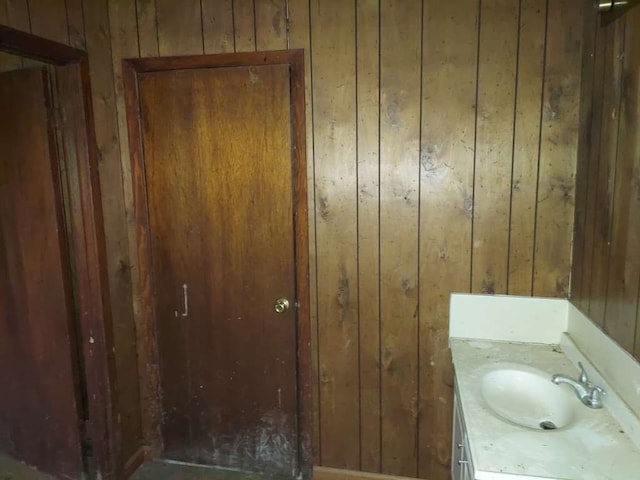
(526, 141)
(334, 129)
(48, 19)
(271, 24)
(607, 266)
(590, 108)
(244, 27)
(400, 88)
(39, 419)
(217, 25)
(123, 27)
(450, 46)
(592, 157)
(494, 141)
(147, 27)
(218, 168)
(368, 170)
(607, 157)
(558, 149)
(179, 27)
(624, 265)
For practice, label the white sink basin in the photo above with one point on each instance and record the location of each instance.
(528, 398)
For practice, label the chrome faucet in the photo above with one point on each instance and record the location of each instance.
(589, 394)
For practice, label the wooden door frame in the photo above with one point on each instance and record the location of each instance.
(76, 127)
(294, 59)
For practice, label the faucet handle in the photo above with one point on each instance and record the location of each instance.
(596, 396)
(583, 375)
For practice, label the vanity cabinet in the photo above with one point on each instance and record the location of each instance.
(461, 464)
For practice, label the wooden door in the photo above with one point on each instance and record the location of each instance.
(219, 170)
(39, 421)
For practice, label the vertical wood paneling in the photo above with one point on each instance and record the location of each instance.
(271, 25)
(606, 171)
(75, 24)
(300, 37)
(629, 149)
(334, 130)
(390, 147)
(49, 19)
(607, 259)
(147, 28)
(217, 25)
(446, 200)
(588, 89)
(18, 14)
(179, 27)
(400, 89)
(623, 268)
(368, 78)
(558, 146)
(98, 40)
(591, 156)
(524, 181)
(244, 29)
(124, 44)
(623, 272)
(13, 13)
(494, 140)
(7, 60)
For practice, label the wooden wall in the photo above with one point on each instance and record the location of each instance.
(442, 140)
(606, 267)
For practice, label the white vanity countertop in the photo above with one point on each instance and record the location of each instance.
(593, 447)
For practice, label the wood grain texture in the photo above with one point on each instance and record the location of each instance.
(17, 14)
(607, 287)
(623, 268)
(614, 35)
(446, 185)
(119, 266)
(75, 24)
(147, 27)
(526, 137)
(257, 80)
(558, 147)
(494, 141)
(400, 77)
(48, 19)
(179, 27)
(79, 177)
(271, 25)
(449, 41)
(217, 25)
(585, 140)
(583, 289)
(244, 27)
(334, 130)
(237, 398)
(123, 30)
(40, 410)
(368, 170)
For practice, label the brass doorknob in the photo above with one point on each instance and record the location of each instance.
(281, 306)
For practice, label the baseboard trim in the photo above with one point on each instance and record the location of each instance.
(140, 456)
(328, 473)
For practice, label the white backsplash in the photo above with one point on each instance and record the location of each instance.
(508, 318)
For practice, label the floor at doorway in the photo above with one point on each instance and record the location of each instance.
(158, 470)
(11, 469)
